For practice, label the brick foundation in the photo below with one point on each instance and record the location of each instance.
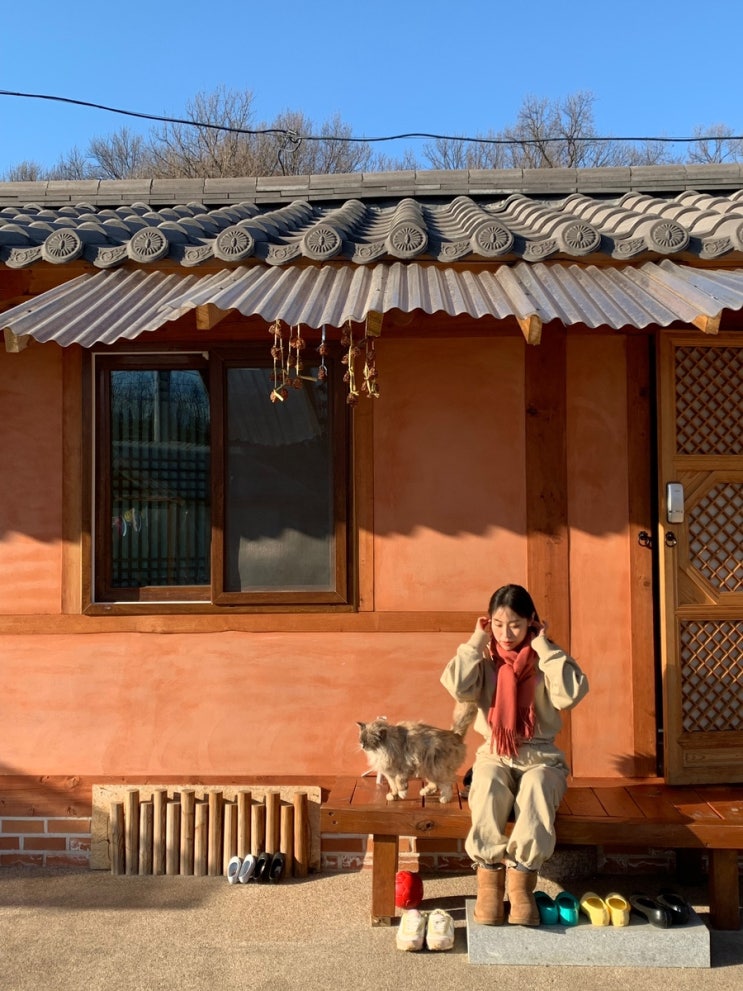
(44, 842)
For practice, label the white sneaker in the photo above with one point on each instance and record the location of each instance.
(233, 869)
(412, 931)
(440, 930)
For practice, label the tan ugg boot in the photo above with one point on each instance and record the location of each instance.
(491, 888)
(524, 910)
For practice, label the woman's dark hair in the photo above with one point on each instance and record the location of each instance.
(514, 597)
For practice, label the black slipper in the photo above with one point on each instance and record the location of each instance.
(263, 867)
(676, 907)
(648, 907)
(276, 870)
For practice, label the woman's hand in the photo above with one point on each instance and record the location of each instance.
(482, 625)
(541, 626)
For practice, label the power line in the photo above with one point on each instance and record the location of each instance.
(292, 135)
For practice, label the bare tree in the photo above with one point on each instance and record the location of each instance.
(25, 171)
(715, 144)
(215, 144)
(557, 133)
(488, 152)
(218, 136)
(73, 165)
(121, 155)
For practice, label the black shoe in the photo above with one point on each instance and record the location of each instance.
(648, 907)
(277, 868)
(676, 907)
(263, 867)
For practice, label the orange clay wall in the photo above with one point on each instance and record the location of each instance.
(449, 522)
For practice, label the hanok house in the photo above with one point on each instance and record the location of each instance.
(270, 444)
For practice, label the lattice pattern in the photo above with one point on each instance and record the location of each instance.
(715, 547)
(711, 677)
(708, 400)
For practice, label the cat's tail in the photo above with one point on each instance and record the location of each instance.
(463, 717)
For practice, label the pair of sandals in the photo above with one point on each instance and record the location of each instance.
(614, 910)
(264, 868)
(563, 910)
(665, 910)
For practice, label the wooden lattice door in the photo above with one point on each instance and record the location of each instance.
(701, 557)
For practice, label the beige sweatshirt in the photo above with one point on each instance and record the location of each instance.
(470, 676)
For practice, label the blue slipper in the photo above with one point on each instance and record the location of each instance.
(568, 908)
(549, 914)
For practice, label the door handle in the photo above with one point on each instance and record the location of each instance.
(670, 539)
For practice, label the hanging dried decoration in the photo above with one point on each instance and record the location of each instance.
(370, 386)
(322, 371)
(372, 331)
(280, 375)
(294, 359)
(349, 359)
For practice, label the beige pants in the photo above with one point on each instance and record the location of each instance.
(532, 786)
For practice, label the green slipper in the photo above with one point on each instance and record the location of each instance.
(568, 908)
(549, 913)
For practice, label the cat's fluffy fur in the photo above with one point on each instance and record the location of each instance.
(404, 750)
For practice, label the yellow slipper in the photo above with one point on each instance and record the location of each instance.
(595, 908)
(619, 909)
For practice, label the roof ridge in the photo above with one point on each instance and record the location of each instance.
(548, 183)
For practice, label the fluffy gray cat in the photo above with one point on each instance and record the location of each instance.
(405, 750)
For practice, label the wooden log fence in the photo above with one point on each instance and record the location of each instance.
(189, 835)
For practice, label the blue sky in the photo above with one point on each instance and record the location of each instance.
(656, 68)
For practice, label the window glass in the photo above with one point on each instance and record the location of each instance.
(279, 507)
(160, 492)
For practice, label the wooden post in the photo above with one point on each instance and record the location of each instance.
(131, 842)
(273, 822)
(257, 828)
(723, 889)
(172, 837)
(384, 868)
(215, 833)
(159, 801)
(201, 839)
(286, 843)
(301, 835)
(188, 806)
(117, 831)
(229, 842)
(146, 815)
(243, 823)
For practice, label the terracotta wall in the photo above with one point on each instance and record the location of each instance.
(31, 492)
(449, 523)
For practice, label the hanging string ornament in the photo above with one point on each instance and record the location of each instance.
(370, 386)
(322, 371)
(280, 375)
(372, 331)
(349, 359)
(294, 359)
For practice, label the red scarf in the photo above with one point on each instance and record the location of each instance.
(511, 715)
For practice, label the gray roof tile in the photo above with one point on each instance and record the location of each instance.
(443, 216)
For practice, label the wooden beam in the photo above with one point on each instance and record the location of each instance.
(208, 316)
(547, 540)
(531, 328)
(708, 325)
(640, 444)
(15, 343)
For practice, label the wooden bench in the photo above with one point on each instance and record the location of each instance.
(644, 815)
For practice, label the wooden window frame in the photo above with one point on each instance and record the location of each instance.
(211, 598)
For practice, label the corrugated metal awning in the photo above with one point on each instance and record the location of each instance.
(113, 305)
